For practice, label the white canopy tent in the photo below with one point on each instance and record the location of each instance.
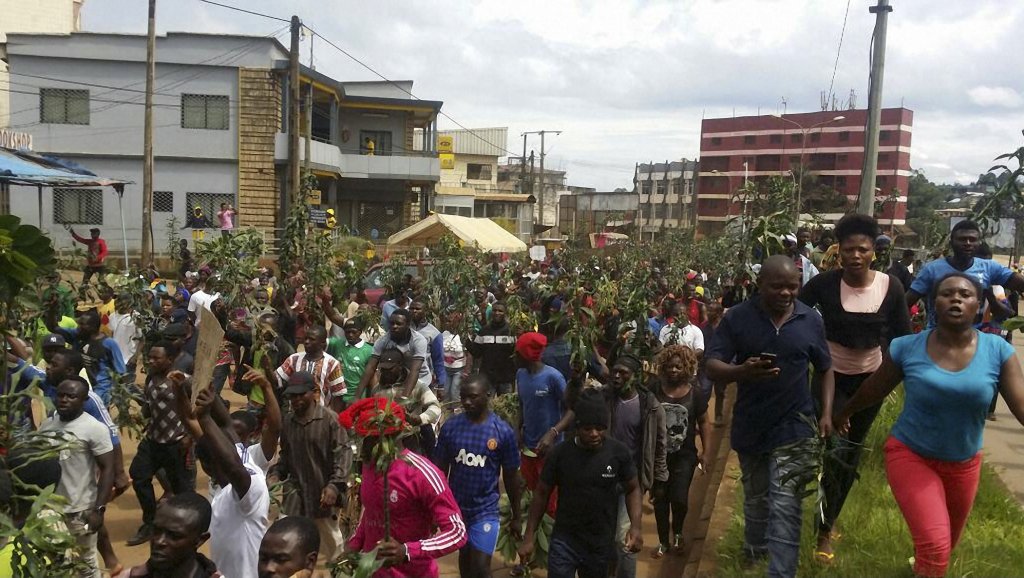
(484, 234)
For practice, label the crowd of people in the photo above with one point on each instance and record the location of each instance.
(393, 418)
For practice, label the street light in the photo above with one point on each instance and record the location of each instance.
(803, 152)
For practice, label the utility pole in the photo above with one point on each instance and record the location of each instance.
(294, 95)
(543, 178)
(309, 109)
(522, 168)
(147, 142)
(533, 179)
(866, 199)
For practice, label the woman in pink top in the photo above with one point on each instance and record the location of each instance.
(863, 310)
(425, 521)
(226, 216)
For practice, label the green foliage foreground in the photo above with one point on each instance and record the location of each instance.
(875, 540)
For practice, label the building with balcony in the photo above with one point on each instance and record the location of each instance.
(220, 134)
(583, 213)
(666, 195)
(825, 148)
(469, 180)
(519, 175)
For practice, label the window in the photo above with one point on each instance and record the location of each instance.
(796, 137)
(78, 206)
(62, 106)
(460, 211)
(645, 187)
(661, 187)
(775, 139)
(844, 136)
(205, 111)
(209, 203)
(840, 182)
(885, 135)
(841, 158)
(477, 172)
(716, 140)
(659, 211)
(816, 137)
(381, 142)
(749, 139)
(794, 161)
(880, 182)
(883, 158)
(163, 201)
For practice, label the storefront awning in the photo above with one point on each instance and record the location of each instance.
(26, 168)
(484, 234)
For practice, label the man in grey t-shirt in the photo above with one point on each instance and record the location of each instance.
(87, 466)
(412, 345)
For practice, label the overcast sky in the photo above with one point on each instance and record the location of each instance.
(629, 81)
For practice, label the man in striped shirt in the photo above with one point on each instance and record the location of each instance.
(326, 370)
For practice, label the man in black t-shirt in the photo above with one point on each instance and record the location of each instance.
(589, 472)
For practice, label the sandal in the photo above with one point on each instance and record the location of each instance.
(659, 552)
(827, 558)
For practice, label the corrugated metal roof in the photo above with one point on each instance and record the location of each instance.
(479, 141)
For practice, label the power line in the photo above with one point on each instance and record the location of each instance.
(839, 50)
(245, 11)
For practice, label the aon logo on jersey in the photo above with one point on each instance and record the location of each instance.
(470, 459)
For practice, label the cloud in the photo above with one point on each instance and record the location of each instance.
(630, 80)
(1001, 96)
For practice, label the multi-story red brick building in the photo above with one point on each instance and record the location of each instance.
(830, 144)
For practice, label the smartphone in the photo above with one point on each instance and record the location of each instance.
(770, 357)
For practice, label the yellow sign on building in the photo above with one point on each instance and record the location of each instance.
(445, 144)
(447, 160)
(313, 197)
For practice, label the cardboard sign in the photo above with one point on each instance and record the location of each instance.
(314, 196)
(538, 253)
(208, 346)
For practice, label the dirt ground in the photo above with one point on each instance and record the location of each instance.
(124, 516)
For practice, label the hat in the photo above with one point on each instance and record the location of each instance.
(175, 330)
(373, 417)
(591, 410)
(883, 241)
(94, 230)
(299, 383)
(391, 358)
(54, 340)
(789, 238)
(531, 345)
(629, 360)
(699, 291)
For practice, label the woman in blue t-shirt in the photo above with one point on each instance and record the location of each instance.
(933, 454)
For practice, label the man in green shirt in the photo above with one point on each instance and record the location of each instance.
(353, 353)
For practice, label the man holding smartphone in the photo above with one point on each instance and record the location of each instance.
(765, 345)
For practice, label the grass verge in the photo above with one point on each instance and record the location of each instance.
(875, 540)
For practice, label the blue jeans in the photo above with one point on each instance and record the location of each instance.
(567, 560)
(626, 566)
(772, 511)
(451, 388)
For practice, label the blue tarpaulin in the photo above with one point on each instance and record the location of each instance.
(26, 168)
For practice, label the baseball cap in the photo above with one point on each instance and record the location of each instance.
(54, 340)
(299, 383)
(175, 330)
(390, 358)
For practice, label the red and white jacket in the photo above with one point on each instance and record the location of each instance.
(424, 515)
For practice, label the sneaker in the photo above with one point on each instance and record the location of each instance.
(659, 552)
(142, 536)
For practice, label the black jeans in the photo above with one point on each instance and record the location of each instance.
(153, 456)
(675, 502)
(91, 270)
(841, 466)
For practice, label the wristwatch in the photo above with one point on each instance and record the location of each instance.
(101, 509)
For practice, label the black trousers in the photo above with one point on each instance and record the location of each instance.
(150, 458)
(841, 465)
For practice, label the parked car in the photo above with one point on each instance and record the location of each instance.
(374, 287)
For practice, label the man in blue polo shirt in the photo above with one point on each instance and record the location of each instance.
(765, 345)
(964, 240)
(473, 448)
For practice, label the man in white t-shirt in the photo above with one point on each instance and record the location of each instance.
(200, 297)
(242, 507)
(86, 464)
(682, 332)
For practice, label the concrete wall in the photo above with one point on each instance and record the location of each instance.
(48, 16)
(180, 177)
(457, 177)
(354, 120)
